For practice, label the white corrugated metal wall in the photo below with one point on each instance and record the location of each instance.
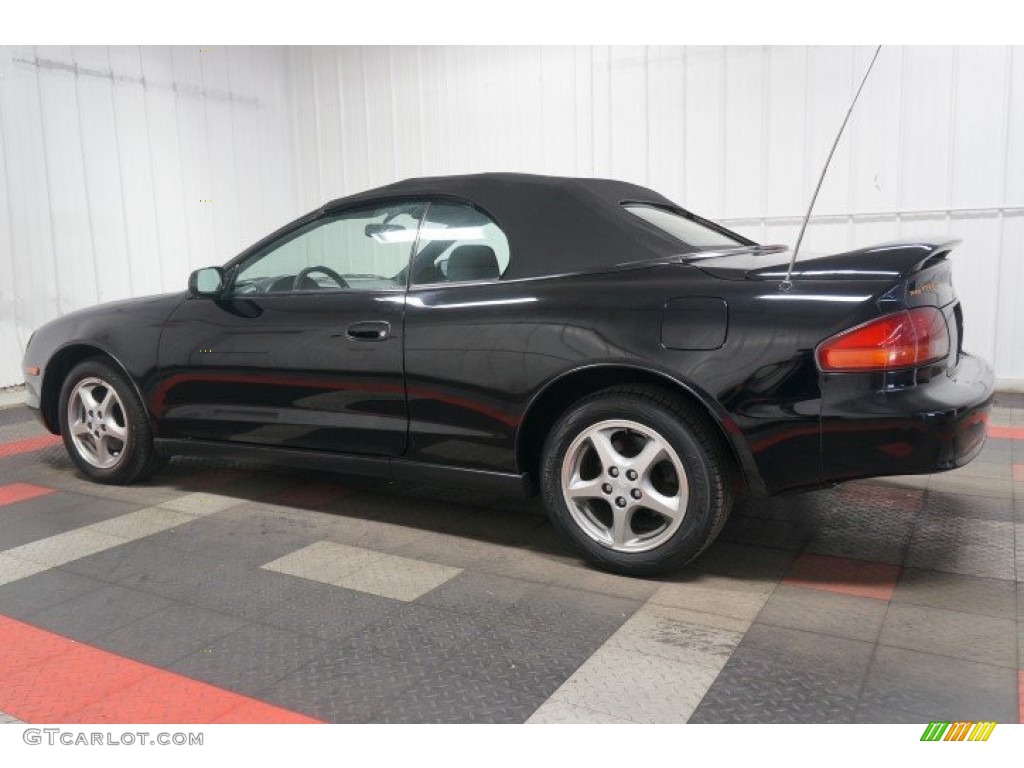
(123, 168)
(737, 134)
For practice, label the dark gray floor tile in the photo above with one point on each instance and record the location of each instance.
(779, 675)
(251, 659)
(951, 633)
(570, 611)
(169, 635)
(956, 592)
(888, 715)
(843, 659)
(940, 505)
(347, 685)
(223, 541)
(754, 687)
(812, 610)
(952, 689)
(449, 698)
(25, 597)
(20, 415)
(53, 514)
(527, 660)
(419, 632)
(329, 612)
(252, 594)
(486, 596)
(98, 612)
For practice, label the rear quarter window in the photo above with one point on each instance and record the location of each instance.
(686, 230)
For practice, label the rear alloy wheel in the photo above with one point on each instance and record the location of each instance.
(104, 425)
(632, 477)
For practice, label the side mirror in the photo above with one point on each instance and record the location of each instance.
(207, 282)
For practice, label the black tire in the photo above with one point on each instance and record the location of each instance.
(705, 461)
(137, 457)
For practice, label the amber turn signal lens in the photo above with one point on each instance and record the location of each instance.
(32, 370)
(902, 340)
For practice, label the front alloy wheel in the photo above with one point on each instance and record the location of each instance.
(98, 424)
(105, 427)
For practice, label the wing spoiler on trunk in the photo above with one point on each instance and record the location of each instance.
(881, 262)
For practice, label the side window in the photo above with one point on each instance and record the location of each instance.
(458, 243)
(362, 250)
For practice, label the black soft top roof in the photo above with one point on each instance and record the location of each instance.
(554, 224)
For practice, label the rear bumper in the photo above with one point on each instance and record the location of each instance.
(926, 428)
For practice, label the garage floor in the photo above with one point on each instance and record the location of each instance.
(221, 593)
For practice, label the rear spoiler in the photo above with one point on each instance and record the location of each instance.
(888, 260)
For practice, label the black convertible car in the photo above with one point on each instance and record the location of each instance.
(587, 339)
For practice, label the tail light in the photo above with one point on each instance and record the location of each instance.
(903, 340)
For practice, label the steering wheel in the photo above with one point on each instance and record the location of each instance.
(321, 269)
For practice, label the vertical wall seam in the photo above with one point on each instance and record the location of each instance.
(85, 185)
(120, 179)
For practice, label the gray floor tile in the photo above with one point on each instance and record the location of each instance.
(25, 597)
(857, 618)
(329, 612)
(346, 685)
(98, 612)
(170, 634)
(951, 633)
(557, 609)
(56, 513)
(484, 595)
(780, 675)
(956, 592)
(251, 659)
(952, 689)
(940, 505)
(449, 698)
(963, 545)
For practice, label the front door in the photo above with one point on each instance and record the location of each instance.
(304, 349)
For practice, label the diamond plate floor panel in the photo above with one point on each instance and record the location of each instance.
(312, 596)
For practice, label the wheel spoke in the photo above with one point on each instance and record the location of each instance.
(108, 400)
(80, 428)
(651, 454)
(601, 442)
(89, 402)
(585, 489)
(621, 530)
(116, 430)
(102, 450)
(668, 506)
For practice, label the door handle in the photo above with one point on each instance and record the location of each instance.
(369, 330)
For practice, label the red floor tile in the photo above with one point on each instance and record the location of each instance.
(15, 492)
(844, 576)
(50, 691)
(46, 678)
(1006, 433)
(28, 444)
(255, 712)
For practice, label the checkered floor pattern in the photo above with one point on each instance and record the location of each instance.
(222, 593)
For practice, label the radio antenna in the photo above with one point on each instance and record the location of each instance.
(787, 283)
